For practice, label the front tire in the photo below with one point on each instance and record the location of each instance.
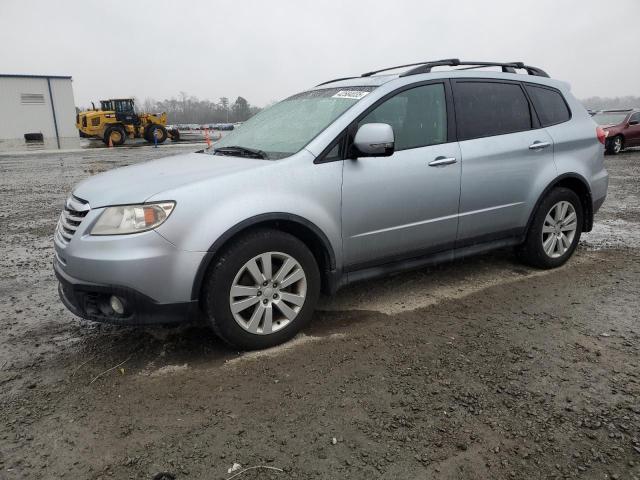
(615, 145)
(157, 130)
(261, 290)
(555, 230)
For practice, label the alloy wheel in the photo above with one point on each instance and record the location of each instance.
(559, 229)
(268, 293)
(617, 144)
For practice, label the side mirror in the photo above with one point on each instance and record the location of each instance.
(633, 122)
(374, 140)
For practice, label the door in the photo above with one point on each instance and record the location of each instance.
(404, 205)
(507, 159)
(632, 133)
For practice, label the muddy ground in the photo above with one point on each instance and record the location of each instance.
(482, 369)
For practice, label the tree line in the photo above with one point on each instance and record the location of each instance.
(189, 109)
(604, 103)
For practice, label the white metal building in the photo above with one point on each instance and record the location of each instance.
(37, 104)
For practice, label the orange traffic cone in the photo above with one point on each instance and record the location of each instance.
(110, 142)
(206, 137)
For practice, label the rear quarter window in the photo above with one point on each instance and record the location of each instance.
(549, 104)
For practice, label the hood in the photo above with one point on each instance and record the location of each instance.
(136, 183)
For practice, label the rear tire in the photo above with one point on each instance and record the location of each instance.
(117, 135)
(551, 240)
(175, 135)
(615, 145)
(276, 307)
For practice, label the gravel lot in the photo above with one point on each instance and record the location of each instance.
(480, 369)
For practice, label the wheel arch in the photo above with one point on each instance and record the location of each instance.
(307, 232)
(107, 126)
(577, 183)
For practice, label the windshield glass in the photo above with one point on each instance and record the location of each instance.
(607, 118)
(286, 127)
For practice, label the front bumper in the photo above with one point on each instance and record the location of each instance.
(91, 301)
(152, 277)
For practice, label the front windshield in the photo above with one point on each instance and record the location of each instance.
(286, 127)
(606, 118)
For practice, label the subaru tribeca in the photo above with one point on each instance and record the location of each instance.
(352, 179)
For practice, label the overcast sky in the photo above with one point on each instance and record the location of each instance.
(266, 50)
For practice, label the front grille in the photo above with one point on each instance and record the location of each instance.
(95, 121)
(84, 121)
(75, 209)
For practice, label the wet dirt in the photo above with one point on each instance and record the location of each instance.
(477, 369)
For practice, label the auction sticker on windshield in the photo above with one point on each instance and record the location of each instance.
(353, 94)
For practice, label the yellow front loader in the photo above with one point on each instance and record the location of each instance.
(116, 119)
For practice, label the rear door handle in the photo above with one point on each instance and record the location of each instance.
(539, 145)
(438, 162)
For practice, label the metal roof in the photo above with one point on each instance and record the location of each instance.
(11, 75)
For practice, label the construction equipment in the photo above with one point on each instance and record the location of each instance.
(116, 119)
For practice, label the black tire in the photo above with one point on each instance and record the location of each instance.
(615, 145)
(116, 140)
(532, 251)
(175, 135)
(221, 274)
(161, 133)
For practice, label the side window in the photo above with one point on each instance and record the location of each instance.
(635, 117)
(418, 116)
(484, 109)
(549, 104)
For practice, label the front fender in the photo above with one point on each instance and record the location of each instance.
(207, 210)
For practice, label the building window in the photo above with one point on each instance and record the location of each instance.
(32, 98)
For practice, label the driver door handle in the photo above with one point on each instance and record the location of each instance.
(539, 145)
(440, 161)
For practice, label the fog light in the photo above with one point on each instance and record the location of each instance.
(116, 305)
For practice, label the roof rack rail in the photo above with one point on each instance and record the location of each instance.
(425, 67)
(448, 61)
(454, 62)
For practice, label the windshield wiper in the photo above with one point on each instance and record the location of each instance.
(243, 151)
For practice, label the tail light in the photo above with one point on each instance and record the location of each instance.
(601, 134)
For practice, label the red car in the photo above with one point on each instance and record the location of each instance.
(622, 128)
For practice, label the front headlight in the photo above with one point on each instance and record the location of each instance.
(126, 219)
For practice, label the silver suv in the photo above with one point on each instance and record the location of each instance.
(355, 178)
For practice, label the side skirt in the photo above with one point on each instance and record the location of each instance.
(384, 269)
